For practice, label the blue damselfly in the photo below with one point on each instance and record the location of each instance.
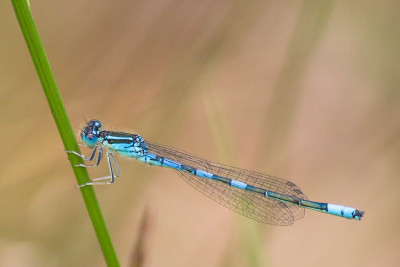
(261, 197)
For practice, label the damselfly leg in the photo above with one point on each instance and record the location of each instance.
(111, 161)
(90, 158)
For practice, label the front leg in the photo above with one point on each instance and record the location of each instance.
(91, 158)
(83, 156)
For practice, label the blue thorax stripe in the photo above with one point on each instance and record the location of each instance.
(112, 137)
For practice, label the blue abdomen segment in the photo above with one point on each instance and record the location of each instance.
(204, 174)
(338, 210)
(238, 184)
(342, 211)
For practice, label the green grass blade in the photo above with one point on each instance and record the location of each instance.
(42, 65)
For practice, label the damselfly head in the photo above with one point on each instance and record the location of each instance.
(91, 133)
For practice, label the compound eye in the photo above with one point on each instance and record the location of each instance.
(96, 125)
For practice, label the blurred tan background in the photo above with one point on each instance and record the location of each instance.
(304, 90)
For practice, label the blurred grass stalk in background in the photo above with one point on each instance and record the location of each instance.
(310, 28)
(42, 65)
(250, 239)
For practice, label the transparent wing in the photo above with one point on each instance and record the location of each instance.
(249, 204)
